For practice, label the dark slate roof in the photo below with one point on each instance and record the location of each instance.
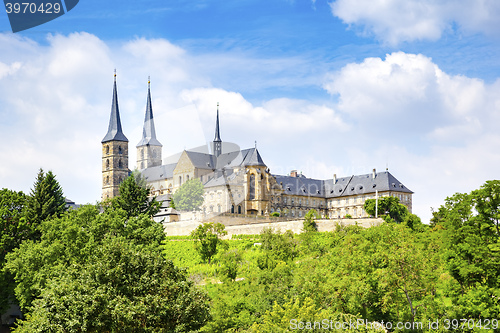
(115, 126)
(159, 172)
(148, 132)
(252, 157)
(301, 185)
(344, 186)
(202, 160)
(362, 184)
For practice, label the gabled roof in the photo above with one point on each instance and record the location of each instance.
(362, 184)
(115, 126)
(201, 160)
(148, 132)
(301, 185)
(344, 186)
(159, 172)
(251, 157)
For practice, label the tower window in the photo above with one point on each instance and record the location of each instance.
(120, 164)
(107, 149)
(252, 187)
(120, 150)
(180, 180)
(107, 180)
(142, 153)
(107, 164)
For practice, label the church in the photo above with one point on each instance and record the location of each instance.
(237, 182)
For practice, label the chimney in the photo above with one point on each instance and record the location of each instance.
(334, 178)
(374, 174)
(293, 173)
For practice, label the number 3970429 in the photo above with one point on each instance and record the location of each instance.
(32, 8)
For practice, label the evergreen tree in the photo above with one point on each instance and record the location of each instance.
(134, 199)
(46, 200)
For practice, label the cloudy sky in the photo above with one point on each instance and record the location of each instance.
(324, 87)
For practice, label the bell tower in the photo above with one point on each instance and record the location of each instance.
(114, 152)
(149, 148)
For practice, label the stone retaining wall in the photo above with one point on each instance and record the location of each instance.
(234, 226)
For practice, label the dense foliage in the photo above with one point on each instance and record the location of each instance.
(100, 269)
(189, 196)
(106, 270)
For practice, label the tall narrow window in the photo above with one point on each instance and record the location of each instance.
(232, 209)
(107, 164)
(252, 187)
(120, 151)
(107, 149)
(120, 164)
(107, 180)
(239, 209)
(180, 180)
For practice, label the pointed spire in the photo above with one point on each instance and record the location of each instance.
(149, 132)
(217, 145)
(217, 133)
(115, 126)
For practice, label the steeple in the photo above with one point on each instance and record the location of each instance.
(115, 126)
(148, 132)
(217, 149)
(149, 148)
(114, 153)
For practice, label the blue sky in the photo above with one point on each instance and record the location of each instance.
(323, 86)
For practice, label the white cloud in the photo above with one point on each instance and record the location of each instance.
(436, 131)
(395, 21)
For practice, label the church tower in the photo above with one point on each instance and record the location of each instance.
(149, 148)
(217, 145)
(114, 152)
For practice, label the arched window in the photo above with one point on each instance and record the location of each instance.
(120, 151)
(219, 208)
(120, 164)
(252, 187)
(211, 209)
(232, 209)
(187, 178)
(107, 150)
(107, 164)
(239, 209)
(142, 153)
(107, 180)
(180, 180)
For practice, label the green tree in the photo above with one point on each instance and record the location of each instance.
(71, 240)
(208, 239)
(470, 224)
(45, 201)
(280, 246)
(13, 230)
(310, 220)
(189, 196)
(120, 288)
(388, 207)
(229, 261)
(172, 203)
(134, 198)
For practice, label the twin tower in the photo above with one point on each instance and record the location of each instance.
(115, 148)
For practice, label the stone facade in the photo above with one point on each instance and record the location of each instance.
(238, 181)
